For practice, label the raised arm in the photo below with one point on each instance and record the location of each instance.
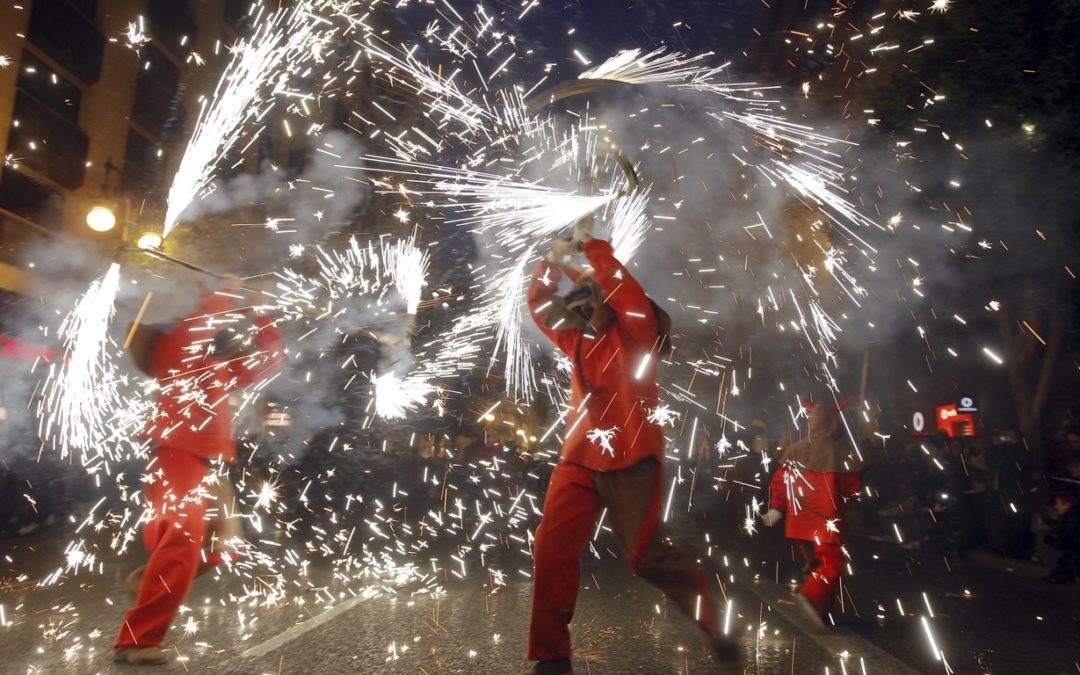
(622, 292)
(542, 290)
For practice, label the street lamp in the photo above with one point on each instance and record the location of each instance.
(149, 240)
(102, 215)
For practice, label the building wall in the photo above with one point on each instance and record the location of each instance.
(143, 100)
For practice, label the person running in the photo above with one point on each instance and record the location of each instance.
(612, 456)
(198, 363)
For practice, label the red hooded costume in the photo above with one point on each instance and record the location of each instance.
(817, 476)
(192, 425)
(613, 389)
(615, 371)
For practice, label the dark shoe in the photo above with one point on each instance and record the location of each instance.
(144, 656)
(1056, 577)
(809, 611)
(728, 655)
(560, 667)
(133, 581)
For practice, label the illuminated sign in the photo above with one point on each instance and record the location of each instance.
(918, 422)
(12, 348)
(955, 423)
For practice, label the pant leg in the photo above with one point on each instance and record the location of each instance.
(633, 498)
(806, 549)
(225, 530)
(174, 538)
(570, 512)
(820, 585)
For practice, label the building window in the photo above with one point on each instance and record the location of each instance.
(49, 87)
(67, 33)
(30, 199)
(47, 142)
(171, 25)
(155, 92)
(144, 168)
(240, 14)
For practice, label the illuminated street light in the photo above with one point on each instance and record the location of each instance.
(101, 216)
(149, 240)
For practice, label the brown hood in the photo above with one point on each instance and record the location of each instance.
(826, 447)
(568, 311)
(141, 346)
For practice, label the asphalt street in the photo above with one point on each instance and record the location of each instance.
(901, 612)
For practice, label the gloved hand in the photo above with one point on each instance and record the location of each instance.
(563, 249)
(583, 229)
(773, 517)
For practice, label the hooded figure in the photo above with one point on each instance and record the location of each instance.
(192, 518)
(612, 454)
(818, 475)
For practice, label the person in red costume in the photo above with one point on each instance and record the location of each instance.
(197, 364)
(612, 455)
(818, 475)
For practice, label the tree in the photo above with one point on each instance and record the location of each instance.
(998, 80)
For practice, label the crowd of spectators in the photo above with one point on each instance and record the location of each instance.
(955, 495)
(927, 492)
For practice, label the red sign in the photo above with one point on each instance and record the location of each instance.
(13, 348)
(955, 423)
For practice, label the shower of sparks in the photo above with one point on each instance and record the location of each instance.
(395, 398)
(468, 154)
(408, 268)
(284, 44)
(83, 393)
(135, 36)
(663, 416)
(658, 66)
(603, 438)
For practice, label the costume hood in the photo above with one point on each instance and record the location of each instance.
(826, 447)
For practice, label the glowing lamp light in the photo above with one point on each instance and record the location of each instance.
(100, 217)
(149, 240)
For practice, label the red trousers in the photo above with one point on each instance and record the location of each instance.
(575, 498)
(175, 540)
(821, 580)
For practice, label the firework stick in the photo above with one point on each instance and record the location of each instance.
(138, 319)
(183, 263)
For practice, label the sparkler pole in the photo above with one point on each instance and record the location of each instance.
(168, 258)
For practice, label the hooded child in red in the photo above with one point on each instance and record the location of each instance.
(612, 454)
(817, 476)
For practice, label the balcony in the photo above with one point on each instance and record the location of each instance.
(171, 25)
(155, 104)
(61, 30)
(47, 143)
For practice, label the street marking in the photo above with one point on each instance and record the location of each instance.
(289, 634)
(835, 639)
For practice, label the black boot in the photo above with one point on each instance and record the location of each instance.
(560, 667)
(1059, 577)
(728, 655)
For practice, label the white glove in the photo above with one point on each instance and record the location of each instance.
(773, 517)
(563, 249)
(583, 229)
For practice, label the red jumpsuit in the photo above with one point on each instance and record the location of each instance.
(193, 425)
(613, 388)
(813, 506)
